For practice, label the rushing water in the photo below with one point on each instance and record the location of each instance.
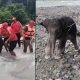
(22, 68)
(51, 3)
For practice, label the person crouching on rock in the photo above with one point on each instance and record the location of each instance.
(29, 35)
(10, 37)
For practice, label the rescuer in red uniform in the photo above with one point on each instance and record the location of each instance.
(10, 37)
(17, 27)
(29, 35)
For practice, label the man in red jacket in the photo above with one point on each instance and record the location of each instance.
(11, 39)
(17, 27)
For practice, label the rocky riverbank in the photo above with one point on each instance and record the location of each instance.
(67, 68)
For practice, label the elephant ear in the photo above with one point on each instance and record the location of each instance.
(40, 19)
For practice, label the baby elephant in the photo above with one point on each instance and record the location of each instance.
(61, 29)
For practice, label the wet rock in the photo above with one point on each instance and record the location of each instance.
(40, 60)
(50, 79)
(75, 67)
(58, 79)
(47, 56)
(57, 57)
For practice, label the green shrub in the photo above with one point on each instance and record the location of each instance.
(18, 10)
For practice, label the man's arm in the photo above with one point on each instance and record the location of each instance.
(8, 39)
(23, 32)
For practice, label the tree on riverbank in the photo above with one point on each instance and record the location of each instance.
(24, 10)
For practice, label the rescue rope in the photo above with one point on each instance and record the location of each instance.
(71, 26)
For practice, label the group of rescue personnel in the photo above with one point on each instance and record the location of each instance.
(11, 34)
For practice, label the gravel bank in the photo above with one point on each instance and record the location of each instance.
(67, 68)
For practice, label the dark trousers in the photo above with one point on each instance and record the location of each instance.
(6, 46)
(18, 36)
(5, 39)
(26, 44)
(12, 45)
(1, 44)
